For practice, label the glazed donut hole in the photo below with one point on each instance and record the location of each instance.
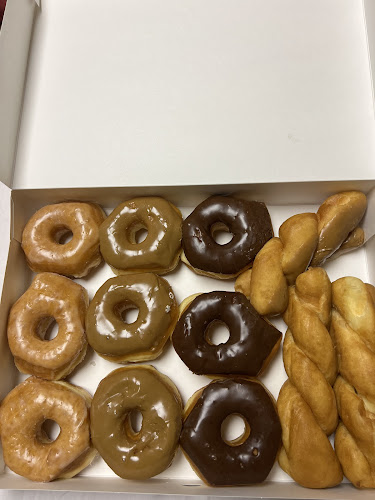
(235, 430)
(62, 235)
(133, 424)
(127, 311)
(216, 333)
(221, 233)
(47, 431)
(47, 328)
(137, 233)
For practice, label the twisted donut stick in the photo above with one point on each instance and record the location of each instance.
(303, 238)
(306, 403)
(353, 331)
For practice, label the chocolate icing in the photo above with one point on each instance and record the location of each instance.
(251, 341)
(219, 463)
(148, 452)
(248, 221)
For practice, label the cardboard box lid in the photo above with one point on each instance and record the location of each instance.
(160, 92)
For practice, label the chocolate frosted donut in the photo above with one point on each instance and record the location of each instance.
(249, 458)
(158, 253)
(143, 339)
(131, 454)
(248, 221)
(251, 345)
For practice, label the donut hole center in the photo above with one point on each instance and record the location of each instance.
(220, 232)
(235, 430)
(63, 235)
(47, 328)
(217, 333)
(133, 424)
(49, 431)
(137, 233)
(127, 312)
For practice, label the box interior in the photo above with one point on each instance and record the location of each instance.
(193, 91)
(185, 99)
(184, 283)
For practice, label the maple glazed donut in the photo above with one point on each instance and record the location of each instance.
(245, 460)
(159, 252)
(114, 339)
(42, 235)
(252, 340)
(248, 221)
(131, 454)
(28, 450)
(49, 298)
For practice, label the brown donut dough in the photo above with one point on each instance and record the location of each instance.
(303, 238)
(353, 331)
(27, 449)
(158, 253)
(42, 234)
(306, 403)
(49, 297)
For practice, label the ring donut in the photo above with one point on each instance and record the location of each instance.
(248, 221)
(249, 458)
(130, 454)
(142, 340)
(49, 298)
(44, 231)
(252, 340)
(158, 253)
(27, 449)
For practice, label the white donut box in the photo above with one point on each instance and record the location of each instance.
(265, 99)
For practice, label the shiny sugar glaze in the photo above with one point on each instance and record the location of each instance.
(159, 252)
(144, 454)
(115, 339)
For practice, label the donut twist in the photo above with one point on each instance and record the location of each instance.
(306, 403)
(303, 238)
(353, 331)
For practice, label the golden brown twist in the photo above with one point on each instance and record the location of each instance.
(303, 238)
(306, 403)
(353, 331)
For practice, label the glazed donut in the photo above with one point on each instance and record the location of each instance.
(252, 343)
(303, 238)
(131, 454)
(353, 332)
(158, 253)
(338, 216)
(307, 404)
(143, 339)
(42, 235)
(249, 458)
(49, 298)
(27, 449)
(248, 221)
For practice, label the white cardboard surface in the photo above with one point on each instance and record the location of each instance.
(158, 92)
(164, 93)
(184, 282)
(14, 51)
